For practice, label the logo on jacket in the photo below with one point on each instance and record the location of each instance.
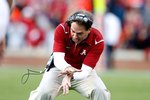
(96, 42)
(83, 52)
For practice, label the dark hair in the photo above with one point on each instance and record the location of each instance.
(82, 18)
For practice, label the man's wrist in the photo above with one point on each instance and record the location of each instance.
(70, 76)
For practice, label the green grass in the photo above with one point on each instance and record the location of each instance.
(124, 85)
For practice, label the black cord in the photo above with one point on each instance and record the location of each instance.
(30, 72)
(49, 65)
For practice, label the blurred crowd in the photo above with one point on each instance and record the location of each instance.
(33, 20)
(124, 23)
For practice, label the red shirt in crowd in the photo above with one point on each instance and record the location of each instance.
(87, 52)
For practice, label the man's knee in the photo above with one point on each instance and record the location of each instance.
(107, 94)
(37, 95)
(100, 94)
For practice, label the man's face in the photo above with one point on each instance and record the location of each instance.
(78, 32)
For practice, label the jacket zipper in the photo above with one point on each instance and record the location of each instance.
(75, 47)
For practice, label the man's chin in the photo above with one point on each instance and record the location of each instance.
(76, 41)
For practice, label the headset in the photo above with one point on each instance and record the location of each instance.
(82, 17)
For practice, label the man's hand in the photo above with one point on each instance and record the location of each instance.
(69, 70)
(65, 84)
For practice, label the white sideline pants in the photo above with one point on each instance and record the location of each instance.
(92, 87)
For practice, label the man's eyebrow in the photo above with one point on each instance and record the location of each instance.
(72, 30)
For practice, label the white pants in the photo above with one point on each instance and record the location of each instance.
(91, 87)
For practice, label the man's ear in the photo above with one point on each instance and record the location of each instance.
(89, 30)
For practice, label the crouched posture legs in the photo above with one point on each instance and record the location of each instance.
(48, 88)
(92, 88)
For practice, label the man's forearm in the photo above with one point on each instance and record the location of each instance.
(59, 60)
